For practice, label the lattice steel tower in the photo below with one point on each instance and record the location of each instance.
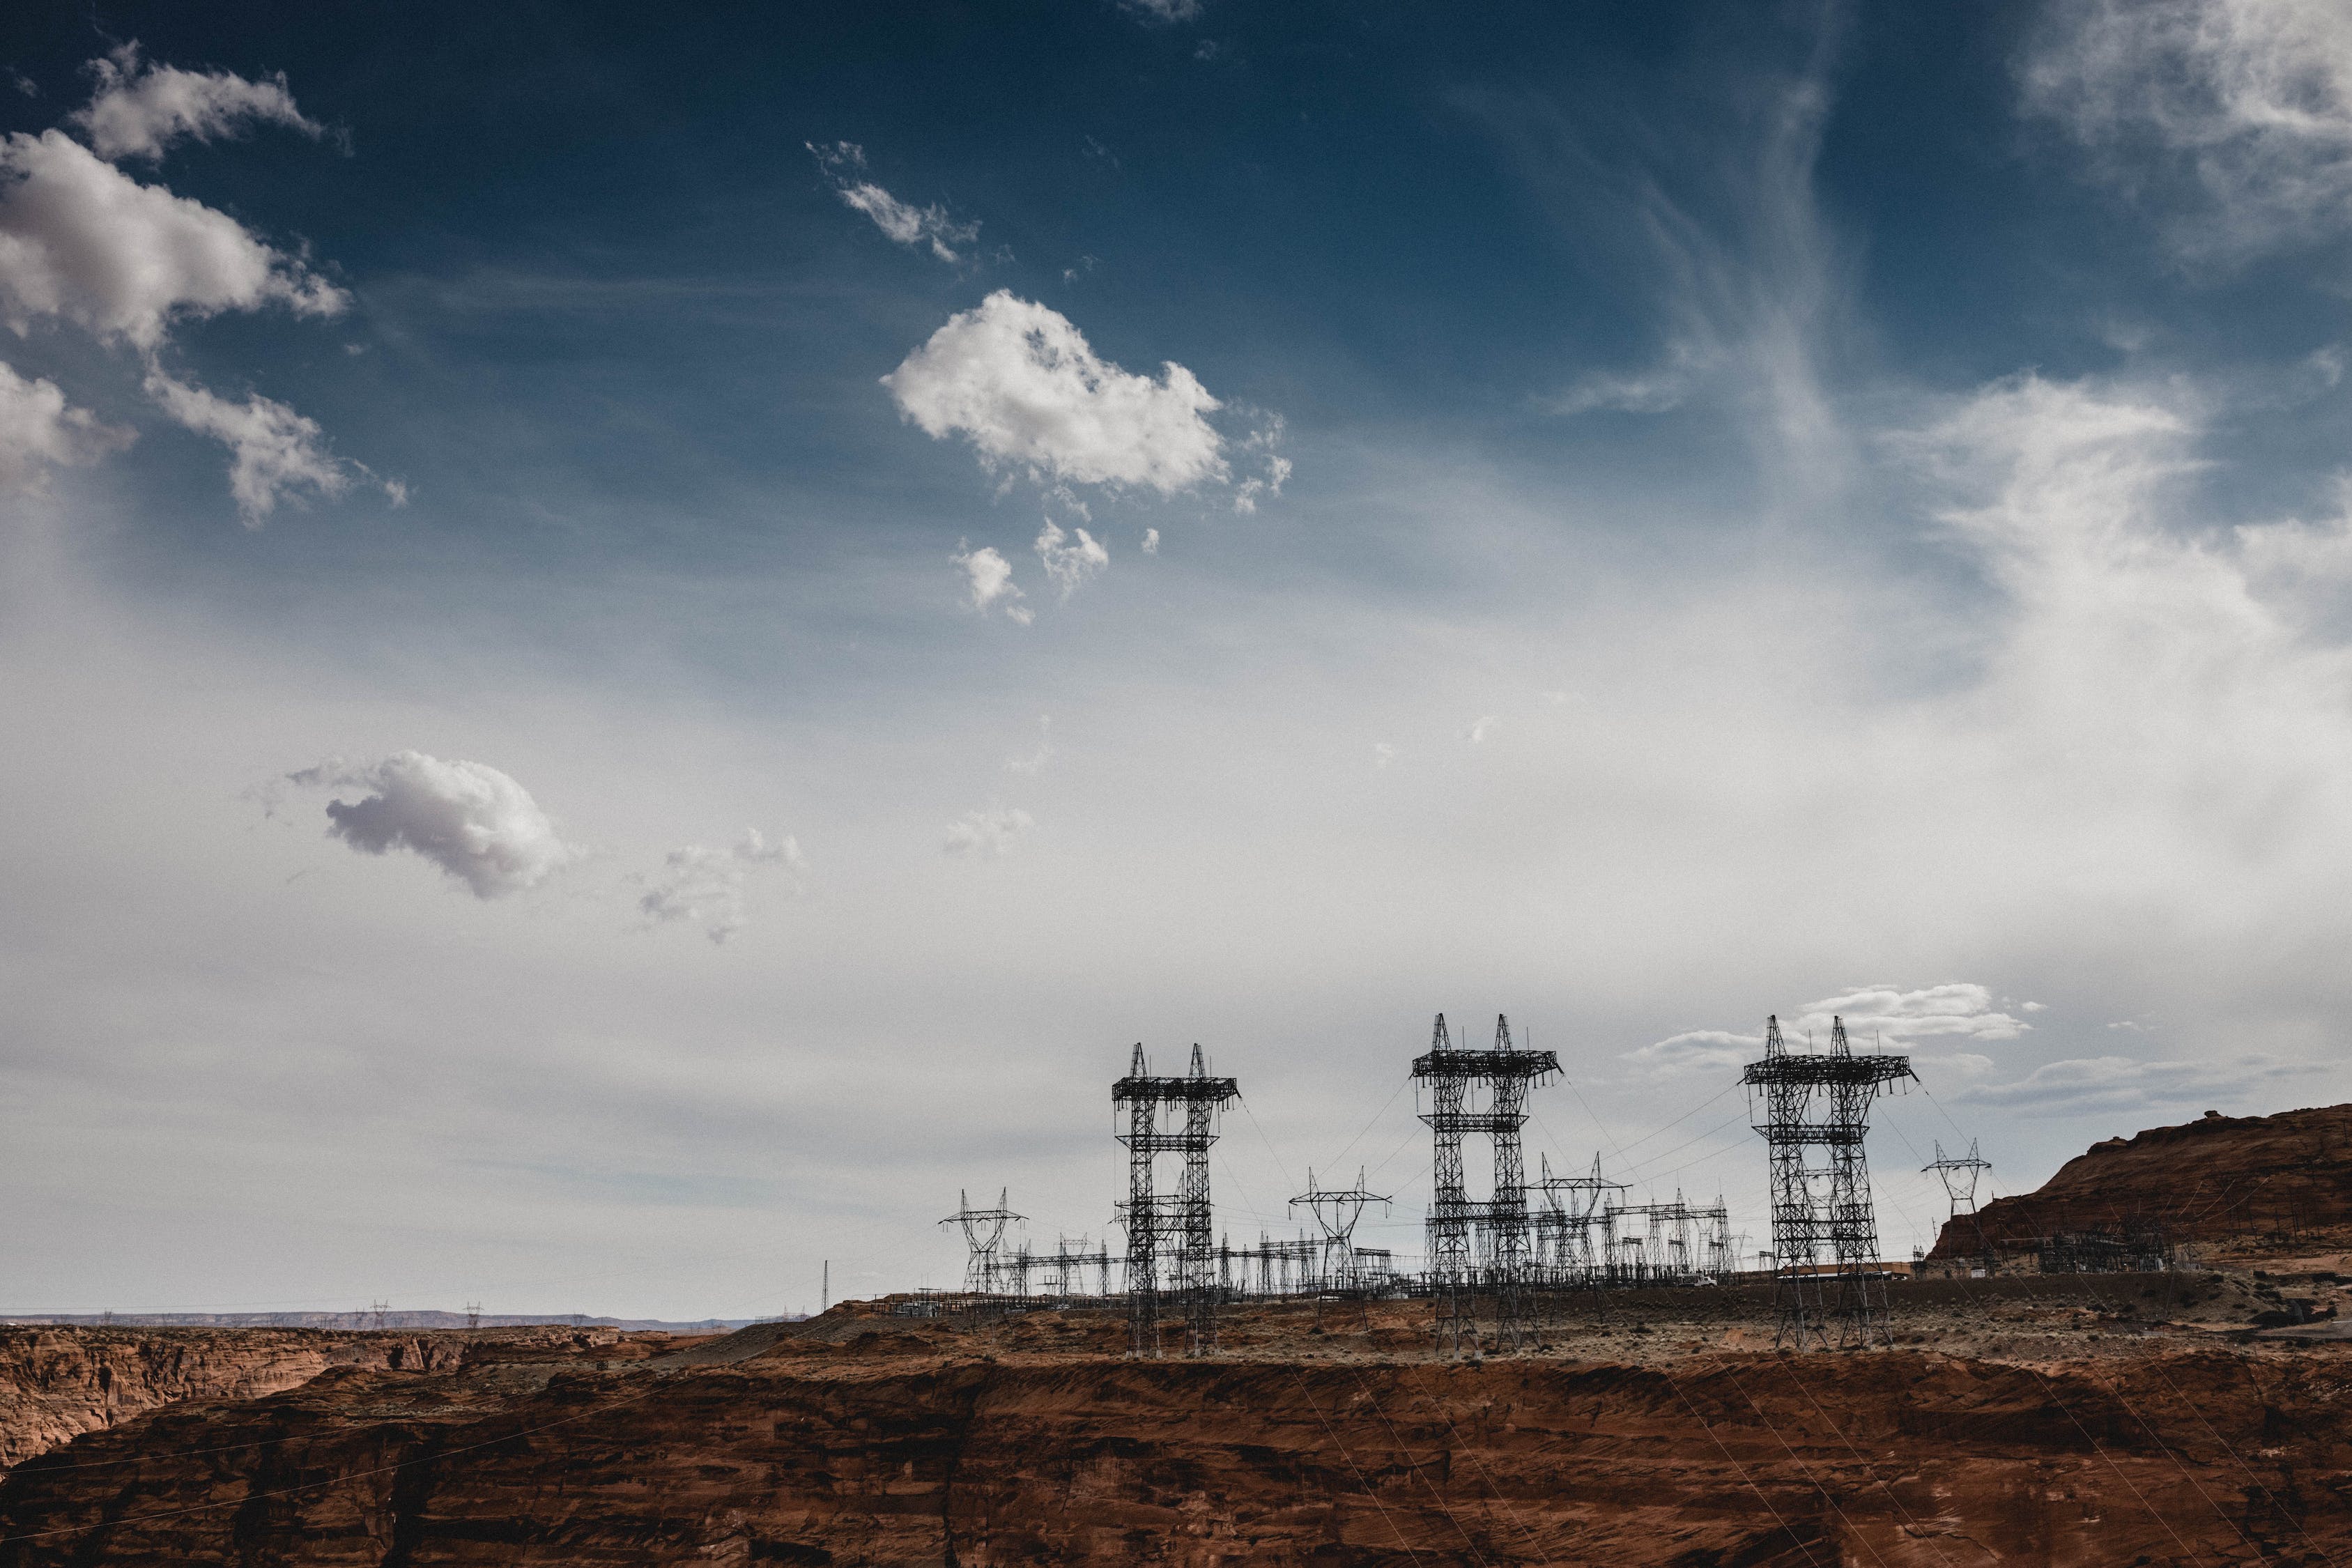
(1959, 1177)
(1822, 1102)
(1171, 1240)
(1336, 1212)
(983, 1235)
(1472, 1243)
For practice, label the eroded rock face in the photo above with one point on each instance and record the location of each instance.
(59, 1383)
(871, 1452)
(2216, 1179)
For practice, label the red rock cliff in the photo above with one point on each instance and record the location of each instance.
(2214, 1179)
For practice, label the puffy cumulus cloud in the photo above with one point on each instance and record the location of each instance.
(81, 241)
(844, 162)
(2085, 1084)
(39, 431)
(988, 581)
(705, 886)
(2250, 101)
(1956, 1008)
(275, 451)
(473, 822)
(1018, 380)
(140, 108)
(988, 833)
(1069, 562)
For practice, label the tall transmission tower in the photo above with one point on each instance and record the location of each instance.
(1336, 1213)
(1808, 1101)
(1471, 1243)
(1959, 1177)
(1171, 1237)
(984, 1235)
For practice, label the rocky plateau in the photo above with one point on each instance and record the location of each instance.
(2106, 1420)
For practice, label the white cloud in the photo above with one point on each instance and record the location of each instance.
(1383, 754)
(1952, 1064)
(1665, 386)
(276, 450)
(1019, 381)
(1164, 10)
(140, 108)
(2250, 101)
(1697, 1050)
(1152, 542)
(1956, 1008)
(2084, 1084)
(1261, 443)
(1480, 728)
(39, 432)
(988, 579)
(705, 886)
(82, 241)
(907, 224)
(988, 833)
(1035, 760)
(1896, 1016)
(1069, 563)
(471, 820)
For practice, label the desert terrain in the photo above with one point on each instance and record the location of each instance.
(2203, 1415)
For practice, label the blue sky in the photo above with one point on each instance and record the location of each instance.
(636, 646)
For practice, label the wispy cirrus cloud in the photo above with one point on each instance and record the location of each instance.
(2231, 119)
(844, 165)
(2085, 1084)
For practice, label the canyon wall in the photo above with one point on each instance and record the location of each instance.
(882, 1451)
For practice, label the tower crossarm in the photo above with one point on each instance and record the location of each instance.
(1217, 1091)
(1826, 1072)
(1532, 1065)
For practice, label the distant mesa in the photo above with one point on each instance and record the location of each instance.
(2238, 1189)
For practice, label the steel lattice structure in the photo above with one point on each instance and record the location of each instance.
(1170, 1230)
(1799, 1100)
(1336, 1212)
(984, 1236)
(1472, 1243)
(1959, 1174)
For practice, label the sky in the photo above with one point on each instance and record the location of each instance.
(637, 648)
